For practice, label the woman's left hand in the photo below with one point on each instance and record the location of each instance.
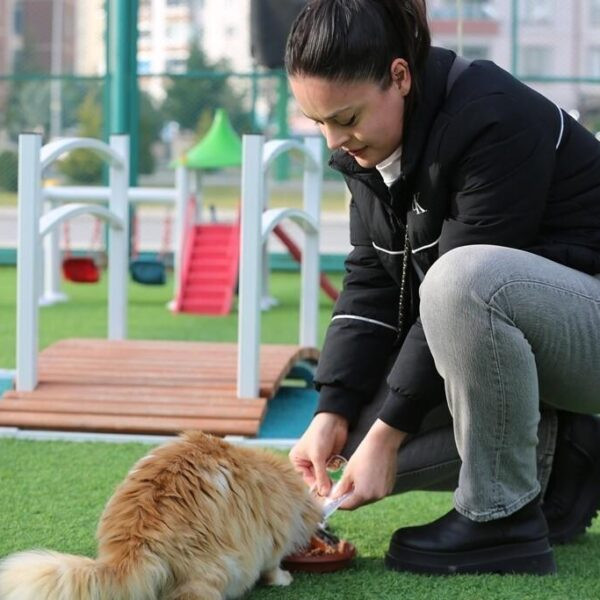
(371, 471)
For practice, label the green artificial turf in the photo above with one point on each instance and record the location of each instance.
(86, 312)
(52, 494)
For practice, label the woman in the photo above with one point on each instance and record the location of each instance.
(473, 283)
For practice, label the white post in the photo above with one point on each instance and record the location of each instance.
(118, 255)
(29, 255)
(250, 268)
(267, 302)
(310, 268)
(182, 195)
(52, 273)
(199, 196)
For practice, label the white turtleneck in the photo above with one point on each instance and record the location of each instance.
(391, 167)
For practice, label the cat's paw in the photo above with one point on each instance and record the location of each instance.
(277, 577)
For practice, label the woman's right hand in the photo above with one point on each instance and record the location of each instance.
(326, 435)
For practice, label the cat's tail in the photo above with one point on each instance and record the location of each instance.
(44, 575)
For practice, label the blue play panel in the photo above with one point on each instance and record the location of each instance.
(289, 413)
(6, 381)
(292, 408)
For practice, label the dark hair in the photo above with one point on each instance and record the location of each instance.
(353, 40)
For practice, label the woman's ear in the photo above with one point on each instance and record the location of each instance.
(401, 77)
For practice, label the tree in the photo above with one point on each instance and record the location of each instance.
(150, 126)
(85, 166)
(28, 104)
(192, 102)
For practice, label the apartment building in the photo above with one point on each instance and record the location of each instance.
(90, 54)
(553, 39)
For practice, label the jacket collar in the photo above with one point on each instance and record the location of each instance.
(418, 124)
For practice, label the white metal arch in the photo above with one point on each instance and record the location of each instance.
(275, 148)
(32, 227)
(255, 229)
(272, 217)
(53, 150)
(69, 211)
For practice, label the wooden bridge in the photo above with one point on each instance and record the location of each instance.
(150, 387)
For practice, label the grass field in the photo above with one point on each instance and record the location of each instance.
(85, 315)
(52, 493)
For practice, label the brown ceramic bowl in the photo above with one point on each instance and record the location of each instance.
(318, 559)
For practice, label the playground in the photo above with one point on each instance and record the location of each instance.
(125, 412)
(197, 296)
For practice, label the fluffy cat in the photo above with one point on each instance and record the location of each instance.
(197, 519)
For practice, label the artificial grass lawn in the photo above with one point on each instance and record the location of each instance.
(52, 494)
(86, 312)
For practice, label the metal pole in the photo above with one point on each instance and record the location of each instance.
(133, 94)
(122, 70)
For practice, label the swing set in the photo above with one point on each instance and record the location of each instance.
(146, 271)
(81, 269)
(150, 271)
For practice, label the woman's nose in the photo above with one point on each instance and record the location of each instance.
(334, 136)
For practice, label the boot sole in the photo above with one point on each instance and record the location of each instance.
(531, 558)
(581, 515)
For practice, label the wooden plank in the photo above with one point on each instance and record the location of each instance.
(228, 411)
(145, 386)
(139, 379)
(138, 395)
(127, 424)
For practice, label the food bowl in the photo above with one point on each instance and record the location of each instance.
(325, 554)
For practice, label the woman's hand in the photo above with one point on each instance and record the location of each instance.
(325, 436)
(371, 471)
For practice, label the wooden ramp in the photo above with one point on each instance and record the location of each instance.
(150, 387)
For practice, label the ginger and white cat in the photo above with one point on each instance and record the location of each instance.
(197, 519)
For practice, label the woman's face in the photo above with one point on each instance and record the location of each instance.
(361, 118)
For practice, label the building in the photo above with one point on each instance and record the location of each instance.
(227, 32)
(90, 54)
(48, 32)
(551, 39)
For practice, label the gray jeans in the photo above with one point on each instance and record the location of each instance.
(514, 336)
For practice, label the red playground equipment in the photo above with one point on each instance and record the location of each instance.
(209, 269)
(210, 256)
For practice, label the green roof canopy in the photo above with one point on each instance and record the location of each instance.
(220, 147)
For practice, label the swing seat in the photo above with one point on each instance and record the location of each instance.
(80, 270)
(148, 271)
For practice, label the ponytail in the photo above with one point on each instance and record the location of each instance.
(354, 40)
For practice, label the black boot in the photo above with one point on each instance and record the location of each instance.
(573, 495)
(454, 544)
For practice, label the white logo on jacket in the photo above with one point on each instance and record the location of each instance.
(417, 208)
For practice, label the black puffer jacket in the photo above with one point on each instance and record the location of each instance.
(492, 162)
